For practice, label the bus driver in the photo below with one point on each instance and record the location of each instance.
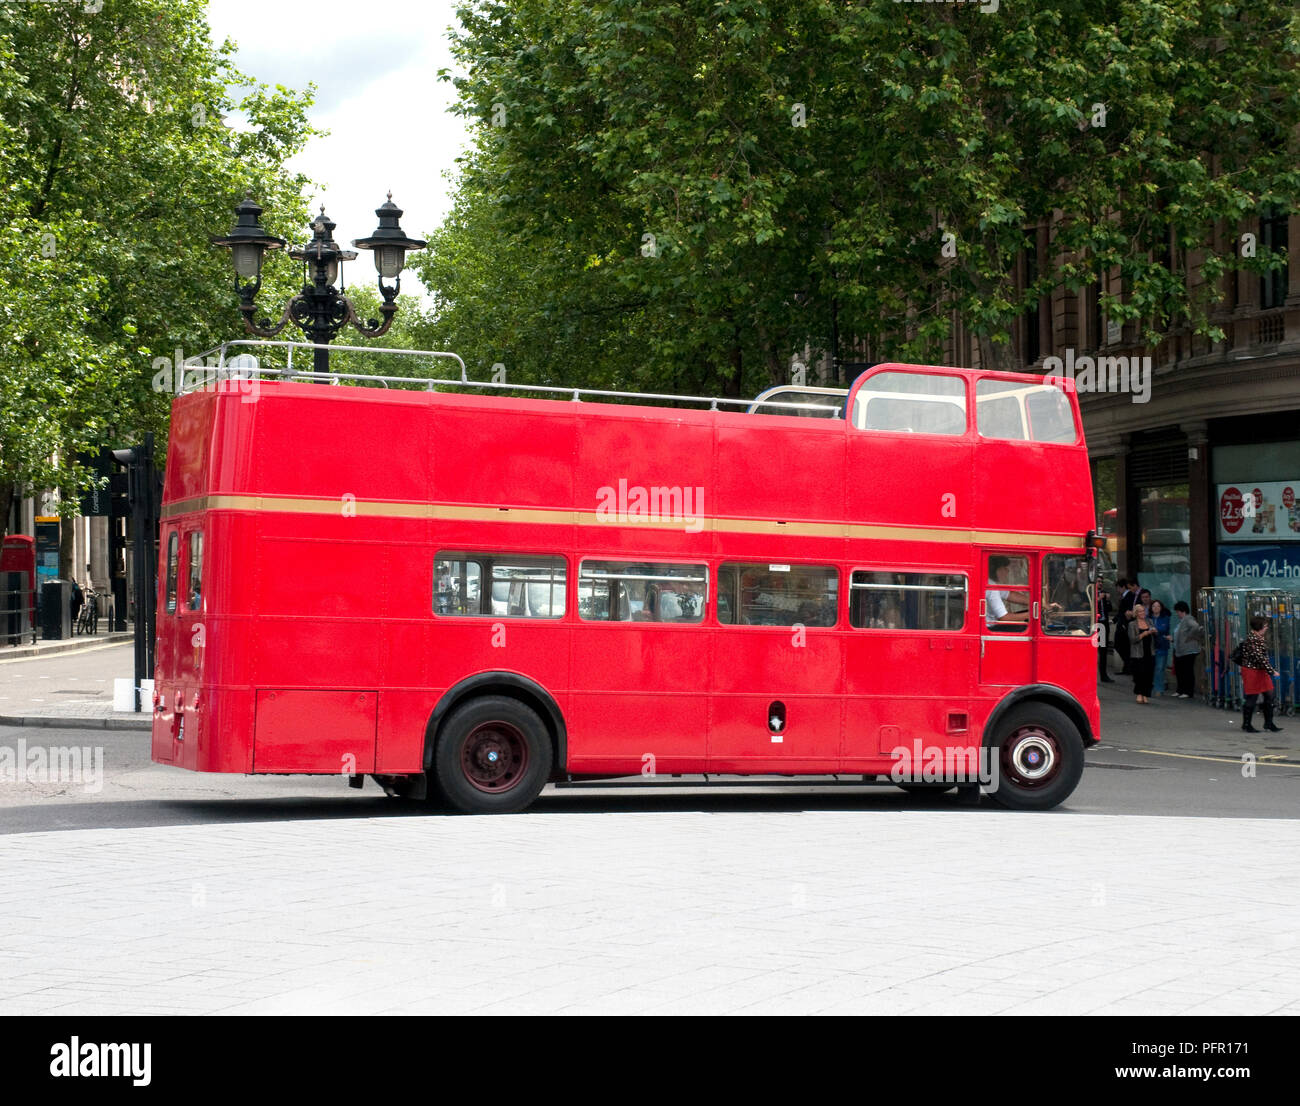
(995, 598)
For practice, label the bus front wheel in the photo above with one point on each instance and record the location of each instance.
(493, 756)
(1039, 758)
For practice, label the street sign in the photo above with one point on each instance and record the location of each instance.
(95, 502)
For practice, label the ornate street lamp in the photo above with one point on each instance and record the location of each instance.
(320, 309)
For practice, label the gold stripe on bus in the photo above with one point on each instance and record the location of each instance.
(451, 512)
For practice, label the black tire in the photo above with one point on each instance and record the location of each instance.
(493, 756)
(1039, 757)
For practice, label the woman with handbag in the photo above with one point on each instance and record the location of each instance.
(1257, 676)
(1142, 638)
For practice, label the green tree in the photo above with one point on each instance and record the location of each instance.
(689, 193)
(117, 164)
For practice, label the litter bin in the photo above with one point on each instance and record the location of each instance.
(56, 609)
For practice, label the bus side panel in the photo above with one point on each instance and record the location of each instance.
(1046, 478)
(525, 460)
(888, 484)
(188, 443)
(319, 605)
(763, 671)
(403, 718)
(793, 467)
(639, 698)
(904, 687)
(624, 463)
(315, 731)
(327, 445)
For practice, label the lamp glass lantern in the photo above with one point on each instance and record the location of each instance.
(248, 240)
(389, 241)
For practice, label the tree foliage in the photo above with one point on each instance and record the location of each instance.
(688, 193)
(117, 165)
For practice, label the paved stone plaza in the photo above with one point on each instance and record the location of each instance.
(860, 911)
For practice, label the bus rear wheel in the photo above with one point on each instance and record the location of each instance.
(1039, 758)
(493, 756)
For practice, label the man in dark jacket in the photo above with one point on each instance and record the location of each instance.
(1105, 612)
(1128, 593)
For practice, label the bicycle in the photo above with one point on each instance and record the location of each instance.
(88, 619)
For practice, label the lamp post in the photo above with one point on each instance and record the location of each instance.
(320, 310)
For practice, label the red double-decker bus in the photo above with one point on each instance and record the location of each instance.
(471, 593)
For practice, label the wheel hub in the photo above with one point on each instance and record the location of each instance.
(1031, 755)
(494, 757)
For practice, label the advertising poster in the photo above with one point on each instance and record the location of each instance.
(1255, 512)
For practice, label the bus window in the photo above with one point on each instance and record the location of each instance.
(1000, 418)
(194, 588)
(500, 585)
(1013, 411)
(907, 601)
(457, 583)
(911, 403)
(1067, 595)
(1006, 599)
(819, 403)
(621, 591)
(1050, 417)
(173, 568)
(778, 595)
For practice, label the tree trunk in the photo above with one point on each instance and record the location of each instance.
(996, 355)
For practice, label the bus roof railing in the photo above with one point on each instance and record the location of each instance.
(200, 371)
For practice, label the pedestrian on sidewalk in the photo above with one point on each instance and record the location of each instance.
(1143, 652)
(1105, 613)
(1128, 593)
(1160, 620)
(1187, 638)
(1257, 676)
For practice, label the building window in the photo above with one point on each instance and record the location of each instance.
(1033, 322)
(1273, 238)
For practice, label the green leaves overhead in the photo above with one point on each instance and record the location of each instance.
(746, 172)
(118, 160)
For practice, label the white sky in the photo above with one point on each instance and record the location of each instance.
(377, 94)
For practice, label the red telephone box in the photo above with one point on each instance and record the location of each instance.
(18, 596)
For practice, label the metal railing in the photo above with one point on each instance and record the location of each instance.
(199, 374)
(17, 615)
(1225, 618)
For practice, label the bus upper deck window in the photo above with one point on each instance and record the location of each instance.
(911, 403)
(173, 568)
(1050, 416)
(1010, 410)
